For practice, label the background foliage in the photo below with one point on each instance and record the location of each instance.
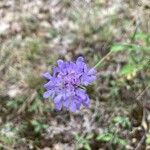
(34, 34)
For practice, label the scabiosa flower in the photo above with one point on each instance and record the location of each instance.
(65, 85)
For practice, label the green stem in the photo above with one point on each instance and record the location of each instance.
(82, 87)
(101, 61)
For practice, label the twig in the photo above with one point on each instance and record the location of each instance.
(135, 31)
(108, 54)
(26, 102)
(137, 99)
(141, 142)
(139, 95)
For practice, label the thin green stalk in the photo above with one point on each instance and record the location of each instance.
(101, 61)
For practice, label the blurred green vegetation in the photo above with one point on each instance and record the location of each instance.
(45, 31)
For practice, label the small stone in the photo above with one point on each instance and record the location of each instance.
(3, 27)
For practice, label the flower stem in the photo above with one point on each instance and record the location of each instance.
(101, 61)
(82, 87)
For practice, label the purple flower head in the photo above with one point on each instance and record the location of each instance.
(65, 85)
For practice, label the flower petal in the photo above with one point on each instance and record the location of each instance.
(66, 103)
(92, 72)
(47, 75)
(47, 94)
(58, 106)
(81, 94)
(80, 59)
(48, 85)
(60, 63)
(73, 107)
(86, 102)
(58, 99)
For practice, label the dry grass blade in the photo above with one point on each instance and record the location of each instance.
(27, 102)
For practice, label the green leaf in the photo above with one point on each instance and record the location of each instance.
(80, 139)
(34, 122)
(12, 104)
(141, 35)
(148, 138)
(146, 48)
(89, 136)
(128, 69)
(77, 137)
(45, 126)
(106, 137)
(87, 146)
(126, 47)
(122, 142)
(37, 129)
(123, 121)
(117, 47)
